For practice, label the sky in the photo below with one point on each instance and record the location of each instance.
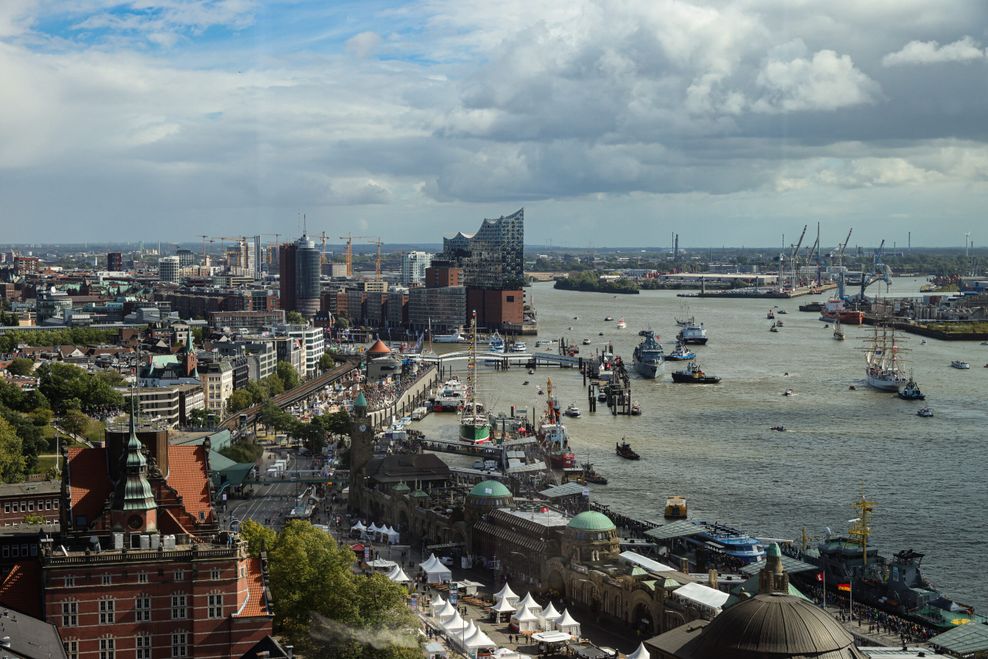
(612, 122)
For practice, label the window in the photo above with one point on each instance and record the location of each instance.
(30, 506)
(142, 608)
(215, 609)
(180, 644)
(179, 575)
(143, 646)
(6, 506)
(47, 505)
(106, 612)
(106, 579)
(70, 614)
(214, 574)
(179, 603)
(71, 649)
(23, 507)
(142, 577)
(54, 504)
(70, 581)
(107, 648)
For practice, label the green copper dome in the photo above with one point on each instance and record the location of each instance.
(490, 489)
(361, 401)
(773, 550)
(591, 521)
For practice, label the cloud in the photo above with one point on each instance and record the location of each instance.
(825, 82)
(162, 22)
(965, 49)
(364, 44)
(16, 16)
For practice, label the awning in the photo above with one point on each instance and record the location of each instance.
(963, 639)
(679, 529)
(703, 595)
(645, 563)
(789, 564)
(551, 637)
(534, 545)
(564, 490)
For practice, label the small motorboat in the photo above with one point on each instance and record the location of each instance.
(572, 411)
(525, 383)
(770, 315)
(675, 508)
(774, 328)
(852, 388)
(621, 324)
(602, 397)
(636, 409)
(625, 451)
(779, 323)
(540, 392)
(608, 319)
(681, 353)
(782, 311)
(960, 364)
(586, 342)
(531, 371)
(923, 342)
(600, 334)
(788, 392)
(576, 318)
(778, 428)
(926, 413)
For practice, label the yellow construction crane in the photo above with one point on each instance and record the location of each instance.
(349, 252)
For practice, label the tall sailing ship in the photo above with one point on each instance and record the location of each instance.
(882, 368)
(474, 424)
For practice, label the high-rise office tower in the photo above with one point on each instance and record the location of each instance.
(299, 276)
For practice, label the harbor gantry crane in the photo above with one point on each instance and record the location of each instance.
(349, 252)
(795, 255)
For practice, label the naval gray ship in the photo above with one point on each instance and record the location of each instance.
(648, 356)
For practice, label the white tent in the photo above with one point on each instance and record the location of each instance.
(432, 560)
(703, 596)
(551, 637)
(530, 603)
(382, 564)
(568, 625)
(437, 602)
(447, 611)
(526, 620)
(373, 529)
(359, 528)
(503, 606)
(398, 575)
(551, 615)
(435, 571)
(455, 624)
(390, 535)
(479, 640)
(640, 653)
(507, 593)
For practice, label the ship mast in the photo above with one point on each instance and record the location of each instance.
(860, 529)
(471, 407)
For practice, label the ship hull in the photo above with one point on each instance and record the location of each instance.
(883, 382)
(648, 370)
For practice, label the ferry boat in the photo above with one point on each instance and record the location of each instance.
(675, 508)
(450, 396)
(911, 391)
(648, 355)
(455, 337)
(693, 374)
(882, 361)
(693, 334)
(621, 324)
(959, 364)
(625, 451)
(475, 427)
(728, 541)
(680, 354)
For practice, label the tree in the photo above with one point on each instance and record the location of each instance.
(341, 322)
(328, 610)
(203, 418)
(326, 362)
(287, 374)
(295, 318)
(61, 383)
(75, 422)
(12, 464)
(239, 400)
(257, 536)
(21, 366)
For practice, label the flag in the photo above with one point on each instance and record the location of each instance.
(544, 509)
(846, 587)
(819, 576)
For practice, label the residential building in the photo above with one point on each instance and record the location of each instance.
(312, 342)
(246, 320)
(444, 309)
(413, 267)
(169, 404)
(32, 499)
(262, 358)
(168, 269)
(289, 349)
(217, 384)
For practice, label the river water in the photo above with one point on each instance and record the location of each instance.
(712, 444)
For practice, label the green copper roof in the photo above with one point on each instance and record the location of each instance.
(490, 489)
(591, 520)
(361, 400)
(137, 494)
(401, 487)
(773, 550)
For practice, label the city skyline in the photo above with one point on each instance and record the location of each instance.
(730, 123)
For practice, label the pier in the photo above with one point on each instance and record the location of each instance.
(616, 388)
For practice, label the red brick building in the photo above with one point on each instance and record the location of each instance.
(496, 309)
(37, 499)
(141, 569)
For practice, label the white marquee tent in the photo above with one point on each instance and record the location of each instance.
(398, 575)
(568, 625)
(640, 653)
(435, 571)
(526, 620)
(506, 593)
(479, 640)
(705, 597)
(550, 615)
(530, 603)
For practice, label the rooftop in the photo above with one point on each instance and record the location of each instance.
(591, 520)
(24, 489)
(29, 637)
(492, 489)
(548, 518)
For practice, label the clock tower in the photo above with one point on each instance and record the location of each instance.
(361, 451)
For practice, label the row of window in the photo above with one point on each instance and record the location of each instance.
(19, 551)
(29, 506)
(142, 577)
(142, 609)
(142, 644)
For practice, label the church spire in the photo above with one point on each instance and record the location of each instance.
(134, 490)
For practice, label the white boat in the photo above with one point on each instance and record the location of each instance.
(693, 334)
(621, 324)
(959, 364)
(572, 411)
(420, 413)
(519, 346)
(496, 343)
(926, 412)
(455, 337)
(586, 342)
(882, 368)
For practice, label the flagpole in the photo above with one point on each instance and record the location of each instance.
(824, 590)
(850, 594)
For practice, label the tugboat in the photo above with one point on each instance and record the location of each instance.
(591, 476)
(960, 364)
(693, 374)
(648, 356)
(926, 413)
(625, 451)
(553, 436)
(675, 508)
(681, 353)
(911, 391)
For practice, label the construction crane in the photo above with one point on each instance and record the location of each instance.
(322, 257)
(349, 252)
(795, 254)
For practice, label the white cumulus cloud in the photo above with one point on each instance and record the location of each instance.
(965, 49)
(827, 81)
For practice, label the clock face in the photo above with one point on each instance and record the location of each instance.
(363, 427)
(135, 522)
